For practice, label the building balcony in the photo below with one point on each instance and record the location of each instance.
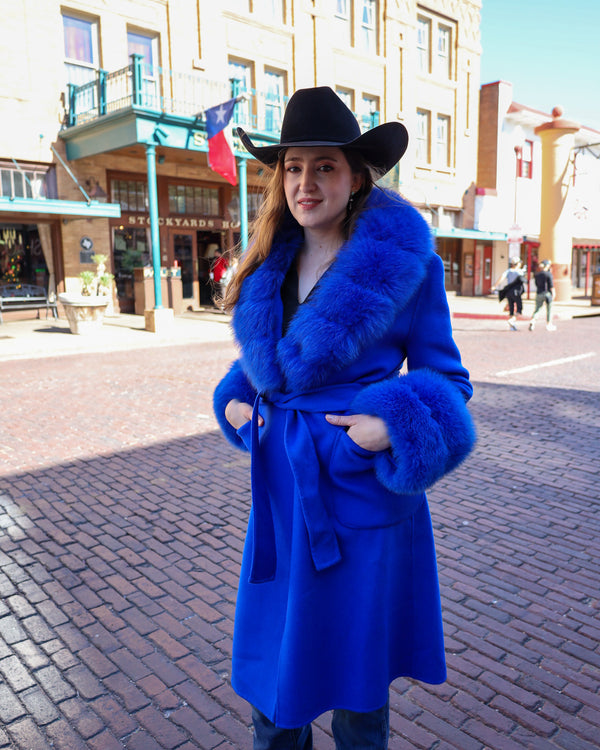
(169, 93)
(158, 92)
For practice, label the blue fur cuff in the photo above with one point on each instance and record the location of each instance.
(430, 428)
(234, 385)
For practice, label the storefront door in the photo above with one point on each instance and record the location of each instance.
(449, 250)
(486, 287)
(131, 249)
(207, 243)
(184, 254)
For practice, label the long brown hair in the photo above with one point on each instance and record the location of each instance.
(271, 215)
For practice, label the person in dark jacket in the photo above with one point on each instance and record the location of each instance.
(510, 286)
(545, 292)
(338, 592)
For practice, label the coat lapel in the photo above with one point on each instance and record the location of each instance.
(373, 278)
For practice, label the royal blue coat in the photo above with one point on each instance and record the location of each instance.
(339, 591)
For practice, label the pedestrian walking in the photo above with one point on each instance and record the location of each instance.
(510, 286)
(545, 292)
(338, 592)
(217, 272)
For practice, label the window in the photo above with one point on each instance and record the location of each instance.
(442, 141)
(25, 184)
(146, 46)
(132, 195)
(274, 100)
(81, 49)
(369, 113)
(254, 203)
(347, 97)
(240, 78)
(444, 38)
(368, 26)
(422, 137)
(271, 9)
(424, 44)
(525, 160)
(434, 46)
(343, 21)
(191, 199)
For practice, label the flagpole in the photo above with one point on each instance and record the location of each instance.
(242, 175)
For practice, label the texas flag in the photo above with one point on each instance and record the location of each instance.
(220, 153)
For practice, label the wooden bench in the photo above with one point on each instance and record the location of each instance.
(25, 297)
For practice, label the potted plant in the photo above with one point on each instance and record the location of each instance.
(85, 311)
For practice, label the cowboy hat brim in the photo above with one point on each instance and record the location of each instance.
(382, 147)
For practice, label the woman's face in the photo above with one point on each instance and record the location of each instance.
(318, 181)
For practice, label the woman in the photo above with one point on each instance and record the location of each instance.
(545, 293)
(338, 592)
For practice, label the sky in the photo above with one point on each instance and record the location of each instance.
(549, 50)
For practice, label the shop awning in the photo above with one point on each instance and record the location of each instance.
(469, 234)
(91, 210)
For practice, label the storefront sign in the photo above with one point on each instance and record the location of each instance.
(181, 223)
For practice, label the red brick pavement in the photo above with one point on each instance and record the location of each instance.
(122, 514)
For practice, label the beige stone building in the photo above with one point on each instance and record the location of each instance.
(104, 150)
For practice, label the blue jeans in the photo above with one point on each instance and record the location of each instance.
(351, 731)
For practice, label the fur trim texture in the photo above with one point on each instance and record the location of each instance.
(374, 277)
(430, 428)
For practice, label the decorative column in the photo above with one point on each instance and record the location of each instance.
(158, 319)
(154, 231)
(556, 233)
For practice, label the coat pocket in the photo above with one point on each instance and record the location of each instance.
(359, 500)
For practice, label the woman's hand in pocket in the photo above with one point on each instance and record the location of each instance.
(367, 431)
(238, 413)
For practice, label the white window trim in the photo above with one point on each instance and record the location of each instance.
(371, 29)
(445, 164)
(343, 15)
(444, 57)
(95, 64)
(424, 23)
(423, 138)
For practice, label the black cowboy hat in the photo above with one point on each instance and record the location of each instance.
(318, 117)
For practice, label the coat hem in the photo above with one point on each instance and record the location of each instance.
(309, 717)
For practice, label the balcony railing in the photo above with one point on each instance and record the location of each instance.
(160, 90)
(165, 91)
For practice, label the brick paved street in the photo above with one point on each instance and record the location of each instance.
(122, 514)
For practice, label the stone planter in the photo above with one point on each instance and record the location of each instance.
(85, 314)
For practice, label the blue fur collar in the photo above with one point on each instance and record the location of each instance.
(373, 278)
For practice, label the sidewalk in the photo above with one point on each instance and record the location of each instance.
(491, 309)
(32, 338)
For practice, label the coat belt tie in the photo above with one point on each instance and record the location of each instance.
(304, 462)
